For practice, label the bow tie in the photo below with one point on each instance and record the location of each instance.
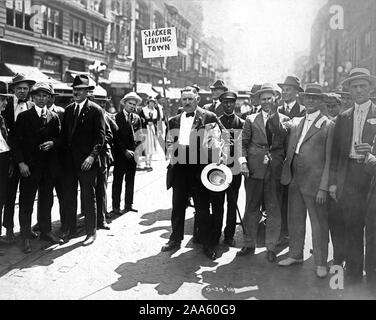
(190, 114)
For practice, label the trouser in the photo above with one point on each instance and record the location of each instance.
(4, 169)
(353, 199)
(10, 199)
(28, 188)
(298, 205)
(370, 258)
(284, 202)
(87, 180)
(125, 168)
(337, 230)
(268, 189)
(187, 182)
(101, 195)
(217, 202)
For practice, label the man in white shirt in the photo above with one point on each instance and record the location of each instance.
(354, 134)
(306, 172)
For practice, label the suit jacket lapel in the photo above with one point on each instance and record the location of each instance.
(298, 132)
(313, 129)
(369, 129)
(83, 113)
(259, 121)
(198, 121)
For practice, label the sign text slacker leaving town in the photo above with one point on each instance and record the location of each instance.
(159, 43)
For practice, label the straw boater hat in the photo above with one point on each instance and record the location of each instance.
(133, 96)
(216, 177)
(81, 81)
(18, 78)
(266, 87)
(313, 89)
(359, 73)
(3, 90)
(291, 81)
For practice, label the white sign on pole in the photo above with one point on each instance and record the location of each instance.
(158, 43)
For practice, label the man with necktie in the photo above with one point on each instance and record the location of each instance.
(20, 86)
(255, 102)
(306, 172)
(263, 153)
(83, 137)
(125, 161)
(354, 134)
(35, 153)
(217, 89)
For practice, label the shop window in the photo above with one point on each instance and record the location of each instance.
(52, 22)
(18, 13)
(78, 31)
(98, 38)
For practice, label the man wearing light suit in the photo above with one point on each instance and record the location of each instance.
(354, 133)
(263, 150)
(306, 171)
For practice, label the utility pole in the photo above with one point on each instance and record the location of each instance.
(135, 58)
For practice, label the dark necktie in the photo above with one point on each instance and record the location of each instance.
(43, 117)
(190, 114)
(75, 118)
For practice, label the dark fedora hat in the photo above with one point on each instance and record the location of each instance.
(313, 89)
(81, 81)
(18, 78)
(3, 90)
(219, 84)
(291, 81)
(231, 95)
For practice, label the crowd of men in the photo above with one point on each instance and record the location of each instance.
(298, 152)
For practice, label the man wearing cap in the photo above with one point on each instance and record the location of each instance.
(354, 134)
(34, 150)
(263, 153)
(255, 102)
(306, 172)
(125, 162)
(217, 89)
(188, 157)
(232, 135)
(83, 137)
(20, 86)
(4, 153)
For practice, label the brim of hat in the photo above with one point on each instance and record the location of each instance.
(292, 85)
(41, 89)
(6, 94)
(322, 95)
(208, 184)
(263, 91)
(371, 79)
(30, 82)
(138, 100)
(81, 86)
(212, 87)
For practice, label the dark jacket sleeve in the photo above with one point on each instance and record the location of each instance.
(99, 132)
(335, 154)
(18, 139)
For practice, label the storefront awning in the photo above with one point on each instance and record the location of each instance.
(172, 93)
(146, 88)
(119, 78)
(30, 72)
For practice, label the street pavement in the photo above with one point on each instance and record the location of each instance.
(126, 262)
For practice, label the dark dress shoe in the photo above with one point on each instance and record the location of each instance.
(67, 235)
(271, 256)
(103, 226)
(210, 253)
(230, 242)
(116, 212)
(171, 245)
(127, 209)
(196, 240)
(245, 251)
(26, 246)
(35, 228)
(33, 234)
(89, 240)
(51, 238)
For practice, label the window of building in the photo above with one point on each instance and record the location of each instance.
(18, 13)
(78, 31)
(98, 38)
(97, 5)
(52, 22)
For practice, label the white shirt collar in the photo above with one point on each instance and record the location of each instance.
(290, 105)
(364, 106)
(39, 110)
(312, 116)
(264, 114)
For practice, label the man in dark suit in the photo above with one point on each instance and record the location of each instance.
(231, 135)
(34, 148)
(263, 144)
(354, 134)
(306, 172)
(20, 86)
(4, 154)
(129, 123)
(83, 137)
(290, 90)
(187, 159)
(217, 89)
